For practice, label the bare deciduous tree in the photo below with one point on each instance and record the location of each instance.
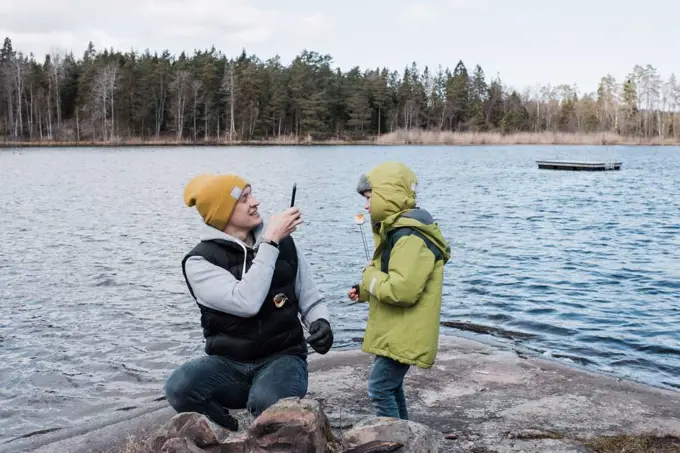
(230, 88)
(607, 99)
(19, 72)
(180, 87)
(160, 94)
(196, 87)
(104, 86)
(56, 77)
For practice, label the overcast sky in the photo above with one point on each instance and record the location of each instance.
(525, 41)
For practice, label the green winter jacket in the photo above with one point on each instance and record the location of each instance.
(403, 285)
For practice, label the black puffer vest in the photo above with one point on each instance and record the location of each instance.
(272, 331)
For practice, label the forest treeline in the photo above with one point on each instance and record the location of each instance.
(112, 96)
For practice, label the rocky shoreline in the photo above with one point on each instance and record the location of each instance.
(291, 425)
(478, 398)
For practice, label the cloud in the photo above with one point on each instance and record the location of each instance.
(418, 12)
(311, 25)
(250, 35)
(179, 24)
(27, 42)
(469, 4)
(225, 16)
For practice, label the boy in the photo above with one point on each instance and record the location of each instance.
(402, 284)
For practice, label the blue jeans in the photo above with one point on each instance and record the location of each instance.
(386, 388)
(210, 385)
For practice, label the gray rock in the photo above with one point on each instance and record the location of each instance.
(235, 444)
(180, 445)
(416, 438)
(195, 427)
(531, 398)
(520, 395)
(292, 424)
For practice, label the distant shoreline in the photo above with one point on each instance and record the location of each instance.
(398, 138)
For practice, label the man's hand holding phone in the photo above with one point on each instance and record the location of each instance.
(282, 224)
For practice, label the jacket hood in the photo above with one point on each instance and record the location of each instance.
(421, 221)
(393, 187)
(393, 204)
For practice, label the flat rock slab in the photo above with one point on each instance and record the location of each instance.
(489, 398)
(109, 435)
(483, 398)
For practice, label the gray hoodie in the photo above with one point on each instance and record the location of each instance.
(218, 289)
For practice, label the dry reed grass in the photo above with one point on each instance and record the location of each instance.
(421, 137)
(400, 137)
(283, 140)
(646, 443)
(134, 445)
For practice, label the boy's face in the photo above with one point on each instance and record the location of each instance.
(367, 195)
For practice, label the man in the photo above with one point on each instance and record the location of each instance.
(403, 285)
(251, 285)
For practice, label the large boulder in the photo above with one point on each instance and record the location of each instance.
(415, 437)
(292, 424)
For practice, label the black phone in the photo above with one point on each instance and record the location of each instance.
(292, 198)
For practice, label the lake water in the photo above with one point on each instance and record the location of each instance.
(96, 312)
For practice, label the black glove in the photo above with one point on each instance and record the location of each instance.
(321, 336)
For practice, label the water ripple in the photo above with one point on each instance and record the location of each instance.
(580, 267)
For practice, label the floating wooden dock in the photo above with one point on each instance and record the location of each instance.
(578, 166)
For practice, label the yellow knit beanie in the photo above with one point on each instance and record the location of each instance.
(214, 196)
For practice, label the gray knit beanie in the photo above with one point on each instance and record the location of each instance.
(363, 185)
